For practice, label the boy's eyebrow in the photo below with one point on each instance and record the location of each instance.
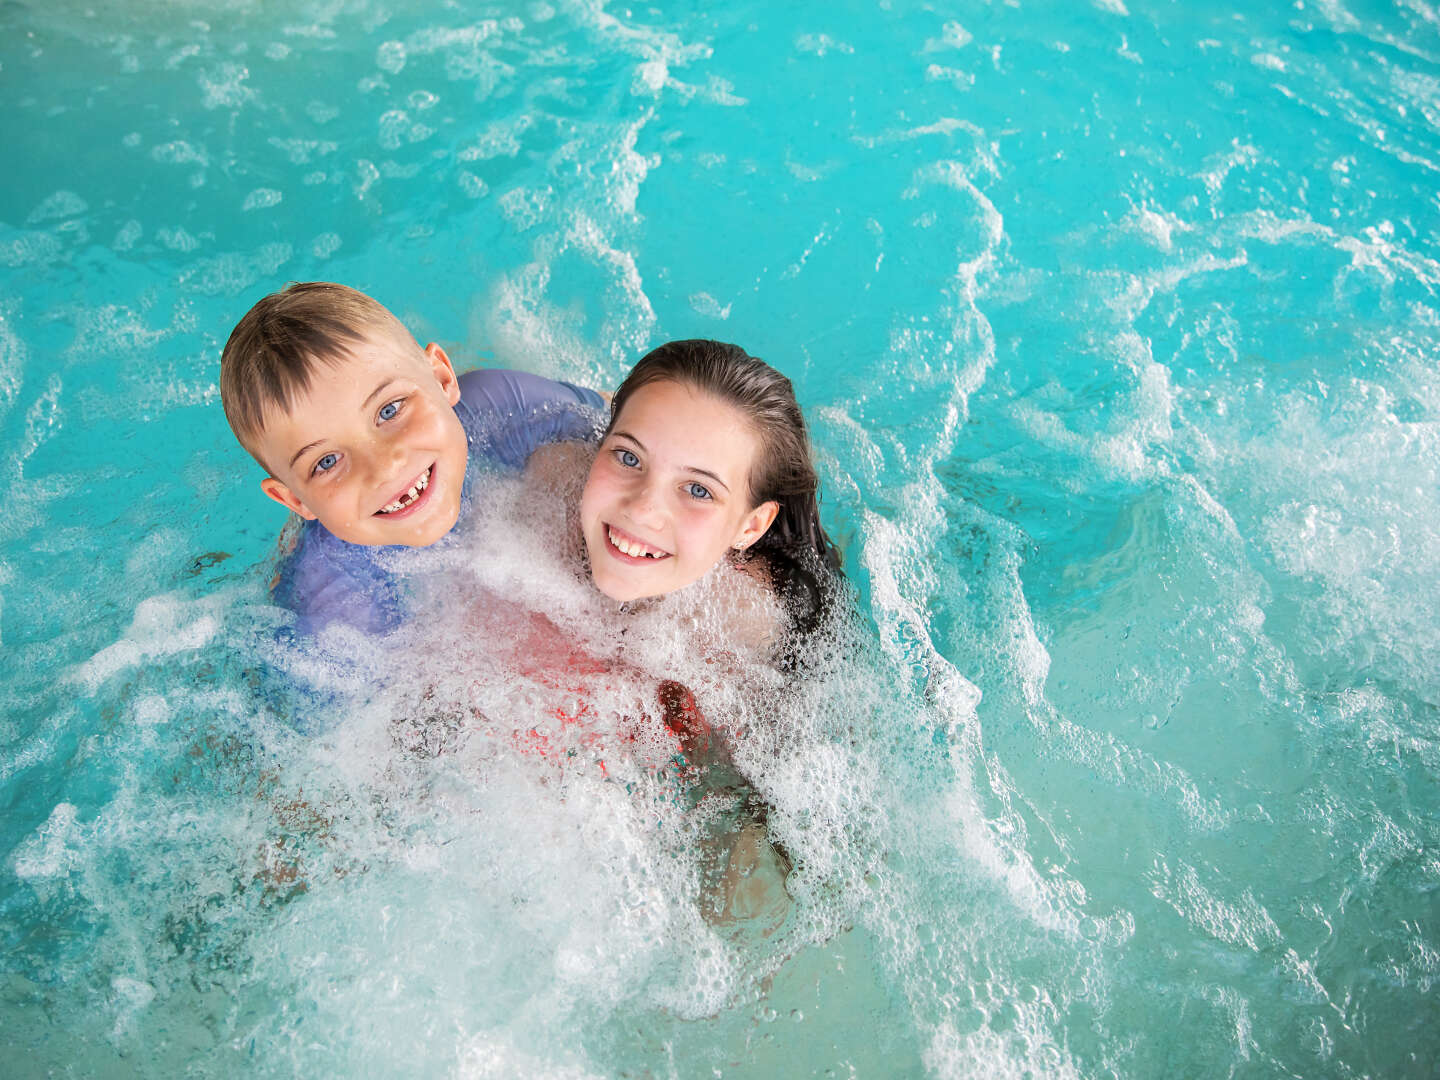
(377, 392)
(304, 450)
(363, 405)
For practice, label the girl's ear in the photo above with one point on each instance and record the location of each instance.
(285, 497)
(755, 524)
(444, 372)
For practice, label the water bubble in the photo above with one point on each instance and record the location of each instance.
(128, 235)
(262, 198)
(177, 239)
(472, 185)
(390, 57)
(224, 87)
(59, 205)
(325, 245)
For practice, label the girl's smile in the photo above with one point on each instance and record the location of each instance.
(624, 546)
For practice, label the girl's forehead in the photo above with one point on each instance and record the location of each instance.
(685, 410)
(690, 425)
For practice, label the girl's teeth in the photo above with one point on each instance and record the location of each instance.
(635, 551)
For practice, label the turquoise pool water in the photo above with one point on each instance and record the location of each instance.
(1116, 322)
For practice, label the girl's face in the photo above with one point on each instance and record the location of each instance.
(669, 493)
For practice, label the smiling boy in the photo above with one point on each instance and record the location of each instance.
(370, 439)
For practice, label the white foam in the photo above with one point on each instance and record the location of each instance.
(1243, 922)
(13, 357)
(223, 87)
(52, 850)
(820, 44)
(234, 272)
(162, 626)
(30, 248)
(180, 152)
(325, 245)
(952, 36)
(494, 1057)
(390, 57)
(705, 304)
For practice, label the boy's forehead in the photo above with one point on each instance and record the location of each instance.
(337, 385)
(362, 363)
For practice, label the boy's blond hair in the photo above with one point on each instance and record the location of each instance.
(273, 351)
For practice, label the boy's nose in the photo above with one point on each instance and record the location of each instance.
(388, 461)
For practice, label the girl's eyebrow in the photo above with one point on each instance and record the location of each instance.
(686, 468)
(707, 473)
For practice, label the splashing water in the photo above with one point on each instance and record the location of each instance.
(1115, 327)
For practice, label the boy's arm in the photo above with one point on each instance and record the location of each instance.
(324, 580)
(510, 414)
(560, 467)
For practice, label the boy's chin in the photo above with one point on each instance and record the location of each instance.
(421, 532)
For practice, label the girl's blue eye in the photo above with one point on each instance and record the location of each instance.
(389, 409)
(628, 459)
(697, 491)
(326, 463)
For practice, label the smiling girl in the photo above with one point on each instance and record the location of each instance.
(700, 527)
(706, 467)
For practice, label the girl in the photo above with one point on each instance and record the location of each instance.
(704, 472)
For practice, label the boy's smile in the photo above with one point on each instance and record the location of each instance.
(669, 493)
(374, 449)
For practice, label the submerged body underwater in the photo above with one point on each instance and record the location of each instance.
(1115, 325)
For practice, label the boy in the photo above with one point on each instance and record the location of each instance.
(369, 438)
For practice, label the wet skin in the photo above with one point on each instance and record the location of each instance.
(373, 449)
(668, 496)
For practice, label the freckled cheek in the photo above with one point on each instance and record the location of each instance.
(589, 510)
(600, 492)
(697, 532)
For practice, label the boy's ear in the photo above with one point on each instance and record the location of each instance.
(444, 372)
(285, 497)
(755, 524)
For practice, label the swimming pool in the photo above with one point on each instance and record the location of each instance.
(1116, 324)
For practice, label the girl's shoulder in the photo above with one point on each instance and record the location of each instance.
(754, 615)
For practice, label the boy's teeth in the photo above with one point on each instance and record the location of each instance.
(410, 496)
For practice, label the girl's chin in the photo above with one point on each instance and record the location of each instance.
(619, 593)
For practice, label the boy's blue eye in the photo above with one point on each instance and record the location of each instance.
(389, 409)
(326, 463)
(627, 458)
(697, 491)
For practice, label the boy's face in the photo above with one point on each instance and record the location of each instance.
(374, 450)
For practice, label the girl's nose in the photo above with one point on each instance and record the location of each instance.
(645, 505)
